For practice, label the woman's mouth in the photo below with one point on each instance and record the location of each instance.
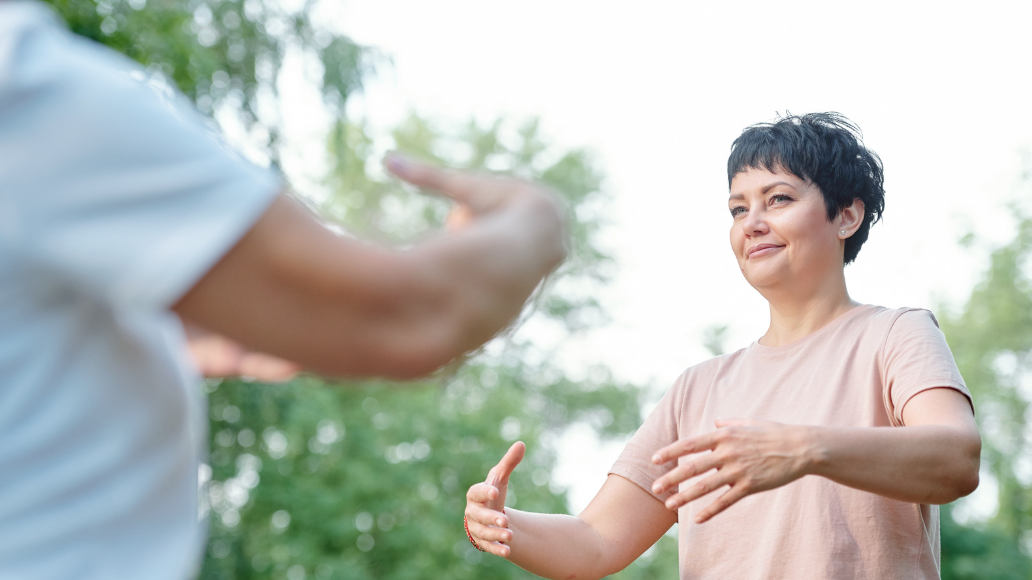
(761, 250)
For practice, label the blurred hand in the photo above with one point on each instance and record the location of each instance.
(218, 356)
(485, 504)
(748, 456)
(478, 196)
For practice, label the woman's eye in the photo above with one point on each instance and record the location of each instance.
(779, 198)
(737, 211)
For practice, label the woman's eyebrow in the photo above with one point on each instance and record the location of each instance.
(766, 188)
(775, 184)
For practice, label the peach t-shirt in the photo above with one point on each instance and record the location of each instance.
(858, 371)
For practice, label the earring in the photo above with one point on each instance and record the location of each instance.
(843, 232)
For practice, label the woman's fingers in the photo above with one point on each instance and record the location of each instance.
(685, 446)
(485, 512)
(482, 493)
(700, 488)
(267, 368)
(477, 192)
(697, 465)
(489, 533)
(486, 516)
(729, 498)
(488, 529)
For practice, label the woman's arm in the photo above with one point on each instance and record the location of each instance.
(620, 523)
(294, 289)
(933, 459)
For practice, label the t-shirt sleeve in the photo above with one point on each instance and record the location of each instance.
(916, 358)
(659, 430)
(117, 187)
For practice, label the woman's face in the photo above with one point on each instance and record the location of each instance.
(781, 234)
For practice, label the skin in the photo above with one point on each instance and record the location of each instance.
(792, 254)
(297, 291)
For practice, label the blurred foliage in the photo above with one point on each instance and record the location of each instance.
(225, 54)
(991, 338)
(980, 552)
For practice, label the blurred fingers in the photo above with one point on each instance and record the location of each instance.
(267, 368)
(459, 216)
(469, 189)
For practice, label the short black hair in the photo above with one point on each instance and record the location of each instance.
(825, 149)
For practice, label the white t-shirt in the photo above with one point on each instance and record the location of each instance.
(114, 200)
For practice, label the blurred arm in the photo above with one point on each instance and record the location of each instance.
(294, 289)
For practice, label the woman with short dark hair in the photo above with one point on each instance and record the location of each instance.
(823, 449)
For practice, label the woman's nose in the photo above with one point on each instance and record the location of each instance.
(754, 223)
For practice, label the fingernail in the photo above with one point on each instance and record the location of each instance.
(657, 459)
(498, 522)
(671, 504)
(656, 488)
(398, 163)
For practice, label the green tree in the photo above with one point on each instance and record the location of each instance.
(224, 54)
(991, 338)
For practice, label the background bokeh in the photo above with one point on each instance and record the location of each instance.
(628, 112)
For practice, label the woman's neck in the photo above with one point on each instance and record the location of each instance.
(795, 317)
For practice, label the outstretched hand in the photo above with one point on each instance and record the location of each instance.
(745, 455)
(478, 195)
(485, 504)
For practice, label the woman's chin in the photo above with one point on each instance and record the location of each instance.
(763, 278)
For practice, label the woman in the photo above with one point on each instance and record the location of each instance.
(852, 420)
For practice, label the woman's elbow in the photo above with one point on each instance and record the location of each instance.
(966, 470)
(973, 456)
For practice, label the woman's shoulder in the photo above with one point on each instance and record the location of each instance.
(872, 317)
(892, 329)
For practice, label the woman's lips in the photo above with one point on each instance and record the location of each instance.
(762, 250)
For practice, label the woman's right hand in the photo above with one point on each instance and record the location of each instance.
(485, 504)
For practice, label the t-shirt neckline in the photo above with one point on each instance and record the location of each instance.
(838, 321)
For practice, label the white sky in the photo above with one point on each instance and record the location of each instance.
(658, 90)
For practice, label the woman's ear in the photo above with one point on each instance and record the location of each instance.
(849, 218)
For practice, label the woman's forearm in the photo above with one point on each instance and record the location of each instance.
(555, 546)
(931, 464)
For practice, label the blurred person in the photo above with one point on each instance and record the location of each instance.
(121, 213)
(837, 433)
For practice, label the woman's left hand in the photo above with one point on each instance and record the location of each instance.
(749, 456)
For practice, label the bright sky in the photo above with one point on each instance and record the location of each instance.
(658, 90)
